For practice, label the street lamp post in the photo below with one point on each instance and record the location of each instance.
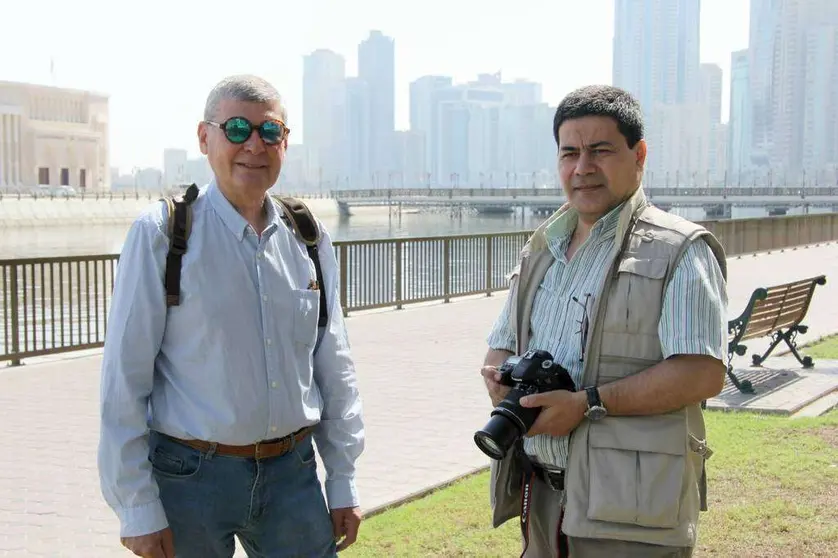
(135, 171)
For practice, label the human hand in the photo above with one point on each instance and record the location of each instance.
(497, 391)
(561, 412)
(154, 545)
(345, 522)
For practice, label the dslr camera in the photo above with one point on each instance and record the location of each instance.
(533, 372)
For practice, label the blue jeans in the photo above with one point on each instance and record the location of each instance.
(275, 505)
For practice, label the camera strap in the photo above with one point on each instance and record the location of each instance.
(527, 479)
(526, 500)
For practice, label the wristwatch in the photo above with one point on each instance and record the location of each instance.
(596, 410)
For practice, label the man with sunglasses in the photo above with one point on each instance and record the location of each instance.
(210, 407)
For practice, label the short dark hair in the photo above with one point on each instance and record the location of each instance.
(602, 100)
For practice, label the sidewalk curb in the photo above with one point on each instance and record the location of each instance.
(424, 492)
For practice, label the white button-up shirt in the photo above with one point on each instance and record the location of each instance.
(234, 363)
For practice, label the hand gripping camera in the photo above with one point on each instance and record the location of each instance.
(533, 372)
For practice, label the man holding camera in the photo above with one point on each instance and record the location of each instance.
(630, 301)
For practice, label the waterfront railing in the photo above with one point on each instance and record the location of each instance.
(55, 305)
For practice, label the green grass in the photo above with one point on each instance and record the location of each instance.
(773, 491)
(773, 485)
(826, 348)
(455, 521)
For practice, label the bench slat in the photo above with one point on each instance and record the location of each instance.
(792, 298)
(771, 323)
(797, 301)
(788, 309)
(807, 282)
(773, 313)
(775, 295)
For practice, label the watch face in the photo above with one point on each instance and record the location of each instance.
(595, 413)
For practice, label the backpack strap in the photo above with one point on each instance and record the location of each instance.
(179, 225)
(298, 216)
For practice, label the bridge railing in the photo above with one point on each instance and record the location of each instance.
(379, 193)
(715, 192)
(121, 194)
(54, 305)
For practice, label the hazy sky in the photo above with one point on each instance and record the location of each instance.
(157, 60)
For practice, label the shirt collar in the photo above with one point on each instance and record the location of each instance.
(624, 213)
(565, 224)
(231, 218)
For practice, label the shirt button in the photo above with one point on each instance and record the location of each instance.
(259, 255)
(273, 428)
(273, 384)
(267, 341)
(264, 297)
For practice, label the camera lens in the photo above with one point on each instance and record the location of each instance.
(507, 423)
(497, 436)
(488, 446)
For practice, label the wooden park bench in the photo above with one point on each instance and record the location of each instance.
(776, 311)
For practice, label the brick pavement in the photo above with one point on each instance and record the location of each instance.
(781, 387)
(422, 392)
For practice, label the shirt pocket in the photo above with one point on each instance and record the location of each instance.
(638, 467)
(306, 308)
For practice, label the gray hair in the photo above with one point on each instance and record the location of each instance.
(247, 88)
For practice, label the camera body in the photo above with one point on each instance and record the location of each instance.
(533, 372)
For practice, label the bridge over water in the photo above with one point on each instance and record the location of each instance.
(717, 201)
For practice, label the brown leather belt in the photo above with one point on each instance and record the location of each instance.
(260, 450)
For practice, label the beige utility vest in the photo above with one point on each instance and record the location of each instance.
(632, 478)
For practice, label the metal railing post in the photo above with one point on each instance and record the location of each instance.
(398, 286)
(446, 269)
(344, 280)
(15, 321)
(489, 274)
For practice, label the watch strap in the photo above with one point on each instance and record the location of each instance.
(593, 397)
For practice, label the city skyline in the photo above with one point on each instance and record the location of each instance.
(523, 46)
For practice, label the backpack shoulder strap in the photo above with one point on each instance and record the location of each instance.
(179, 226)
(298, 216)
(301, 219)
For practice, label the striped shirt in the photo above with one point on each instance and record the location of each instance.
(693, 316)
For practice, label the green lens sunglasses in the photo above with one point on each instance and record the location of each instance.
(238, 129)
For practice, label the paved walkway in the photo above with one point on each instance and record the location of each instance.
(418, 372)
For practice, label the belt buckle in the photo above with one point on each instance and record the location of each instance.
(555, 479)
(287, 443)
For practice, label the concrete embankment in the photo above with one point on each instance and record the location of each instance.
(44, 212)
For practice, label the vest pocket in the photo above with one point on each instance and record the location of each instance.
(654, 268)
(637, 469)
(634, 301)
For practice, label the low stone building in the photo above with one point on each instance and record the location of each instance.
(53, 138)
